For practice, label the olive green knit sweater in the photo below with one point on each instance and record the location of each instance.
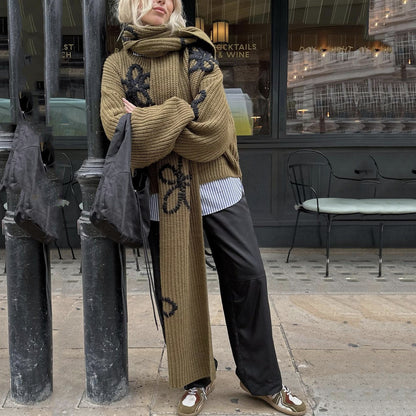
(183, 130)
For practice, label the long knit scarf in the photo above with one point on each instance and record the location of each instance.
(182, 265)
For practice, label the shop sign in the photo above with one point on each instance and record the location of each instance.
(71, 47)
(67, 50)
(235, 50)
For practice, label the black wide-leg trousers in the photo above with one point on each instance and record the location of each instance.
(243, 285)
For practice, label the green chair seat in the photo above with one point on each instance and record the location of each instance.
(343, 206)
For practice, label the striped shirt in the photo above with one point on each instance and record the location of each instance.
(215, 196)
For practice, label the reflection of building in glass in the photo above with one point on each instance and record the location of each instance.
(393, 22)
(371, 88)
(4, 58)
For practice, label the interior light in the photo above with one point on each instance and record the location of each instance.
(200, 23)
(220, 31)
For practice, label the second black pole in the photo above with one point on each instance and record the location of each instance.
(103, 262)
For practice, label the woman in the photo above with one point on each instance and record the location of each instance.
(167, 77)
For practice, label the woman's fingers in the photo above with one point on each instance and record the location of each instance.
(128, 106)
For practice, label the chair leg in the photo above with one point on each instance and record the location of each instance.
(208, 263)
(380, 249)
(66, 233)
(318, 226)
(293, 237)
(136, 253)
(59, 250)
(328, 233)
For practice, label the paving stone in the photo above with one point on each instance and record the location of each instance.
(142, 331)
(3, 323)
(67, 322)
(336, 321)
(4, 376)
(359, 381)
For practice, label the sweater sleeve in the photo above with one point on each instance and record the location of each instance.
(210, 133)
(155, 129)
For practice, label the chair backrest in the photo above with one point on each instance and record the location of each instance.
(395, 184)
(310, 174)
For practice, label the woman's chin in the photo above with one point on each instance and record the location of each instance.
(154, 21)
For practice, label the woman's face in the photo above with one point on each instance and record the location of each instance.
(160, 13)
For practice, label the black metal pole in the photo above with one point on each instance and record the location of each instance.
(29, 311)
(104, 285)
(15, 57)
(189, 9)
(52, 17)
(28, 274)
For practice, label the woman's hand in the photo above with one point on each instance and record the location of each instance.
(128, 106)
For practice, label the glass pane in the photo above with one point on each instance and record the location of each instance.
(351, 67)
(30, 64)
(67, 113)
(5, 114)
(241, 32)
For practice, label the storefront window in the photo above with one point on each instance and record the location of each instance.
(352, 67)
(5, 115)
(241, 32)
(67, 104)
(21, 70)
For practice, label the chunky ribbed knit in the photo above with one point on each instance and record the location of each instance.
(183, 130)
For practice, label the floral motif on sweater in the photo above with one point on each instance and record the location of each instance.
(201, 59)
(135, 83)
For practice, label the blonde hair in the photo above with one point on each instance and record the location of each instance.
(128, 13)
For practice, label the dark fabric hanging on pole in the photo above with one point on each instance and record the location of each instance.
(36, 211)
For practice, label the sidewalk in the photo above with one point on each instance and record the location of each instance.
(346, 344)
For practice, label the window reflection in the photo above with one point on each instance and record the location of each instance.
(28, 61)
(67, 106)
(351, 67)
(241, 32)
(5, 116)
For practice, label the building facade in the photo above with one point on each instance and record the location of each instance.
(336, 76)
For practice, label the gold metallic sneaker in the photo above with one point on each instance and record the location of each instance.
(283, 401)
(193, 400)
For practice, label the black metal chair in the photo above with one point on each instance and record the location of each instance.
(311, 177)
(65, 174)
(399, 202)
(381, 175)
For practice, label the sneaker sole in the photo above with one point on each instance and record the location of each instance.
(202, 403)
(272, 404)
